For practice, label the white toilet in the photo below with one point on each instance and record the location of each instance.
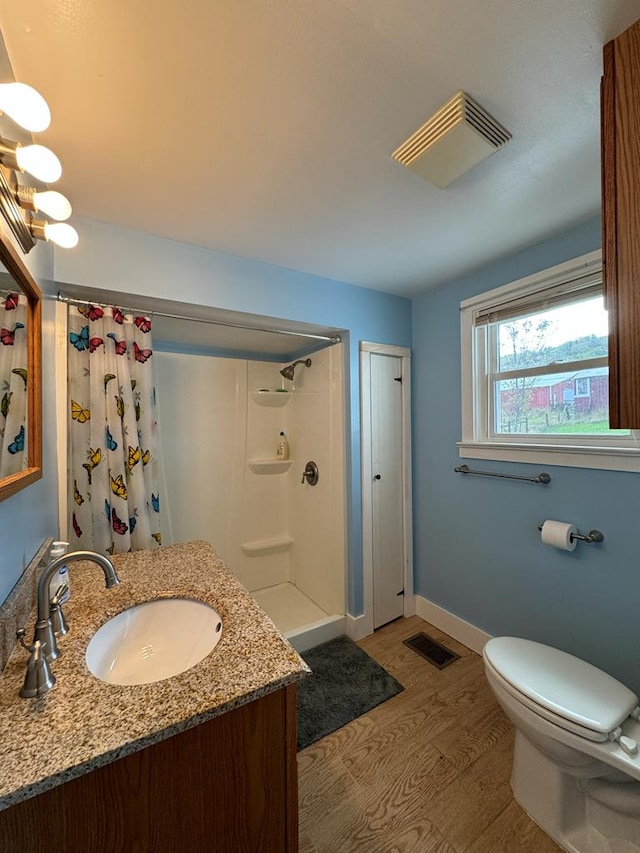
(576, 766)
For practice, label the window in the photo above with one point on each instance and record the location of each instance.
(535, 375)
(583, 386)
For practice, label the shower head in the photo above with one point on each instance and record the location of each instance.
(288, 372)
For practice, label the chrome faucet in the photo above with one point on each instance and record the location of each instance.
(44, 647)
(44, 629)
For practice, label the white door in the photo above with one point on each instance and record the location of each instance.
(387, 488)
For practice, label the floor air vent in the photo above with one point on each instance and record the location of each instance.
(431, 650)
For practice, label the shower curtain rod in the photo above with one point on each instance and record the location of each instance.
(334, 339)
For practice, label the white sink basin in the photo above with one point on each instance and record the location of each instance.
(153, 641)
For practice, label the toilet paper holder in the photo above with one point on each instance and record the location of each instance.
(592, 535)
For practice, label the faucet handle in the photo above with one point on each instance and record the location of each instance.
(56, 614)
(60, 593)
(20, 637)
(38, 679)
(59, 624)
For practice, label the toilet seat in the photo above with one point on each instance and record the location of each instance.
(563, 689)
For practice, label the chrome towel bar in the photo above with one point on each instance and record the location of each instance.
(543, 478)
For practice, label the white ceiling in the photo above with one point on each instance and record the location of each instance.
(263, 128)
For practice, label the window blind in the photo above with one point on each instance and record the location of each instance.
(551, 295)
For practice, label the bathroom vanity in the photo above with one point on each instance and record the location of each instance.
(205, 760)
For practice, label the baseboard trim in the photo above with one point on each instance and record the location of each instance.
(464, 632)
(358, 627)
(409, 605)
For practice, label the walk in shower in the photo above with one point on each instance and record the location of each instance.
(284, 539)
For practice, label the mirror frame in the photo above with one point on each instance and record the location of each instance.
(16, 268)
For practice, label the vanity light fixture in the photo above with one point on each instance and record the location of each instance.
(18, 204)
(49, 202)
(25, 106)
(60, 233)
(35, 159)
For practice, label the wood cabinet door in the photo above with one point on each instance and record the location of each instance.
(228, 785)
(620, 105)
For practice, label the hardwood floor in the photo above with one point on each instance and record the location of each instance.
(426, 772)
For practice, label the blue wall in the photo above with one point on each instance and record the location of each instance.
(477, 548)
(119, 259)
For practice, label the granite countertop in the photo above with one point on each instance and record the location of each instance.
(84, 723)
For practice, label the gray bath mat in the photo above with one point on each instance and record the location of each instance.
(345, 684)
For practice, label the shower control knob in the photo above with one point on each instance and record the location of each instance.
(310, 473)
(378, 477)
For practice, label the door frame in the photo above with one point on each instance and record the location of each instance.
(368, 348)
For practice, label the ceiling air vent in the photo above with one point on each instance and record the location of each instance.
(456, 138)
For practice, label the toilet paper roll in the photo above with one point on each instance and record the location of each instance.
(558, 534)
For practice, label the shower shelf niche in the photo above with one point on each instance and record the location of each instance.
(262, 547)
(271, 398)
(269, 466)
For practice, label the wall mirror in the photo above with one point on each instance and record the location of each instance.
(20, 374)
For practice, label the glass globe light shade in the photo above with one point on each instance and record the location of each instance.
(25, 106)
(39, 162)
(61, 234)
(53, 203)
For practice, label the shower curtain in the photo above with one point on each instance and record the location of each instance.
(13, 383)
(113, 486)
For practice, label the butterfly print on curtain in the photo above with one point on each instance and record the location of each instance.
(112, 425)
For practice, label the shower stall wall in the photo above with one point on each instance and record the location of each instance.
(220, 420)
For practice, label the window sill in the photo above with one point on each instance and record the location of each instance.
(604, 458)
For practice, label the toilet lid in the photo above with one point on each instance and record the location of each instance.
(561, 683)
